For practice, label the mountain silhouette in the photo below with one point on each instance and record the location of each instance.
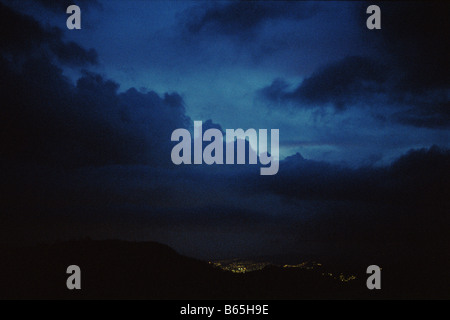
(113, 269)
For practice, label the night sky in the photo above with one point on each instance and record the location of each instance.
(364, 118)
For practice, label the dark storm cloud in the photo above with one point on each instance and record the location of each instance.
(73, 54)
(341, 83)
(21, 34)
(75, 154)
(45, 119)
(240, 17)
(404, 201)
(407, 70)
(420, 175)
(415, 36)
(426, 115)
(49, 121)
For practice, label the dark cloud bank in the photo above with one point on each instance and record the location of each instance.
(407, 69)
(85, 160)
(22, 35)
(244, 17)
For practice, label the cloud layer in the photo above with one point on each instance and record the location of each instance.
(87, 158)
(406, 70)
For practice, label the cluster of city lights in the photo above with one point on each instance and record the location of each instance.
(241, 266)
